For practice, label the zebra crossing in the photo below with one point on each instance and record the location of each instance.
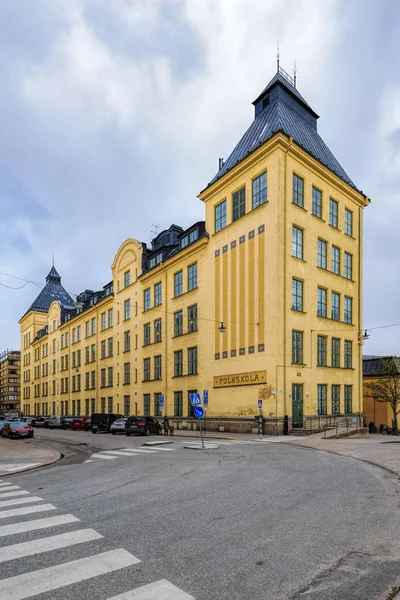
(127, 453)
(48, 539)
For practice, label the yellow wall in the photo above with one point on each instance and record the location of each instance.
(244, 281)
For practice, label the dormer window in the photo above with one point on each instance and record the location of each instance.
(184, 241)
(193, 235)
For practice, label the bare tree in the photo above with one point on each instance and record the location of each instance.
(386, 388)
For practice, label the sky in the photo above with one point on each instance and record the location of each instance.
(114, 114)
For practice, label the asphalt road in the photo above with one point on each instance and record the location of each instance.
(244, 522)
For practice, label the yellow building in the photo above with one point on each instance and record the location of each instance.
(263, 299)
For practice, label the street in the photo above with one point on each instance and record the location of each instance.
(245, 521)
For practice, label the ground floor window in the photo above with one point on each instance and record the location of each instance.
(87, 407)
(157, 411)
(348, 398)
(103, 405)
(321, 392)
(190, 407)
(178, 404)
(335, 399)
(93, 405)
(127, 406)
(146, 405)
(78, 407)
(110, 405)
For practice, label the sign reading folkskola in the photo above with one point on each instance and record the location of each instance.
(251, 378)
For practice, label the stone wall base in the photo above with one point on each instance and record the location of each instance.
(229, 425)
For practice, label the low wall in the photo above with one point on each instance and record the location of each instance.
(229, 425)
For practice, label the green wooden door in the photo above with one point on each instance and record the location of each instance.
(297, 405)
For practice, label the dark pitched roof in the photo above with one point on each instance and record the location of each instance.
(281, 108)
(53, 290)
(373, 366)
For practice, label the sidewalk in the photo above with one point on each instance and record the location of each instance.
(380, 450)
(18, 456)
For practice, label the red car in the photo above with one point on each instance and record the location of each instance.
(79, 423)
(16, 429)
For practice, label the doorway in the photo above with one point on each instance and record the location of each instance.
(297, 405)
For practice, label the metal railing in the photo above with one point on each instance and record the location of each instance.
(345, 425)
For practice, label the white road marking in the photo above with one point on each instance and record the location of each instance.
(118, 452)
(97, 455)
(139, 450)
(8, 494)
(20, 501)
(38, 582)
(11, 467)
(159, 590)
(36, 524)
(5, 483)
(54, 542)
(164, 449)
(10, 487)
(88, 460)
(25, 510)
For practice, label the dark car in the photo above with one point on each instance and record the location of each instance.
(41, 422)
(142, 426)
(88, 425)
(66, 422)
(16, 429)
(103, 421)
(79, 423)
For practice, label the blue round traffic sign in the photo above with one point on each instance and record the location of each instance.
(198, 412)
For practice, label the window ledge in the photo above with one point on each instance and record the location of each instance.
(186, 333)
(149, 380)
(299, 206)
(297, 258)
(151, 344)
(184, 375)
(334, 227)
(335, 321)
(298, 364)
(185, 293)
(330, 367)
(146, 310)
(350, 236)
(126, 351)
(302, 312)
(319, 218)
(337, 274)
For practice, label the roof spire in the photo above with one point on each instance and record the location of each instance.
(277, 58)
(295, 73)
(53, 259)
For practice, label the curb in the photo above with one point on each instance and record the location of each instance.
(55, 458)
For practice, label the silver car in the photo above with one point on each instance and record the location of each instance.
(118, 426)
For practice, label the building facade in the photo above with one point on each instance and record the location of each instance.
(10, 382)
(262, 300)
(374, 369)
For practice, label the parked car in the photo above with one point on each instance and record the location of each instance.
(41, 422)
(29, 421)
(56, 421)
(142, 426)
(79, 423)
(66, 422)
(16, 429)
(118, 426)
(1, 424)
(88, 425)
(103, 421)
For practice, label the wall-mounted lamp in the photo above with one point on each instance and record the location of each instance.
(222, 327)
(365, 335)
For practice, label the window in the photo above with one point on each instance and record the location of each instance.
(74, 335)
(127, 406)
(127, 309)
(110, 405)
(157, 367)
(193, 235)
(93, 403)
(335, 352)
(192, 277)
(87, 329)
(192, 318)
(127, 278)
(62, 365)
(103, 378)
(178, 363)
(178, 404)
(321, 351)
(335, 260)
(146, 369)
(73, 357)
(297, 242)
(348, 309)
(335, 306)
(110, 317)
(178, 322)
(297, 347)
(110, 346)
(78, 383)
(333, 213)
(157, 409)
(321, 394)
(93, 352)
(348, 398)
(316, 203)
(146, 405)
(147, 299)
(110, 376)
(157, 294)
(178, 284)
(146, 334)
(238, 204)
(348, 265)
(62, 341)
(87, 354)
(87, 376)
(348, 354)
(322, 254)
(93, 379)
(348, 223)
(298, 191)
(259, 190)
(335, 399)
(321, 304)
(78, 356)
(192, 361)
(127, 372)
(220, 216)
(297, 294)
(66, 341)
(87, 407)
(103, 348)
(103, 321)
(184, 241)
(127, 341)
(103, 405)
(93, 325)
(157, 330)
(78, 329)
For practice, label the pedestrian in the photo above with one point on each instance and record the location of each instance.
(171, 429)
(166, 425)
